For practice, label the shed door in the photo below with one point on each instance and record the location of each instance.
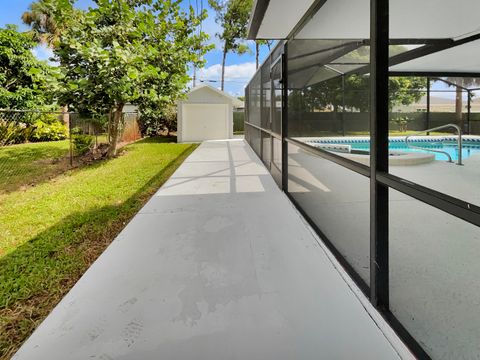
(205, 122)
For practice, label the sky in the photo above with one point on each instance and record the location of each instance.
(239, 68)
(238, 71)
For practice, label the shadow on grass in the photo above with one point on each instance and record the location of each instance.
(35, 276)
(28, 163)
(35, 163)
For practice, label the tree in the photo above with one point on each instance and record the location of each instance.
(259, 43)
(462, 82)
(48, 18)
(354, 92)
(23, 78)
(128, 52)
(233, 16)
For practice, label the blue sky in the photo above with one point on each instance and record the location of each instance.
(238, 71)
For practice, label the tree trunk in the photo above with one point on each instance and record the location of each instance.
(458, 107)
(257, 49)
(65, 115)
(223, 65)
(117, 117)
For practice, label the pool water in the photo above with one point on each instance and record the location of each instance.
(451, 148)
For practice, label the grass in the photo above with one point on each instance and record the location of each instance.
(52, 232)
(25, 164)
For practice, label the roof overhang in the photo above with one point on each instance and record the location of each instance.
(275, 19)
(349, 19)
(443, 36)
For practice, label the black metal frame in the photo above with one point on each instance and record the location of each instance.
(379, 200)
(378, 173)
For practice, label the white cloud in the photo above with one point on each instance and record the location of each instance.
(235, 72)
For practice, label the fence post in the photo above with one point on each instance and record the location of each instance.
(70, 137)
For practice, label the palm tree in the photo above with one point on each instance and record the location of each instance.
(460, 83)
(232, 16)
(258, 43)
(47, 19)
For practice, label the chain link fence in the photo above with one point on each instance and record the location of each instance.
(37, 145)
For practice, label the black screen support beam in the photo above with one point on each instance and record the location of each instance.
(379, 36)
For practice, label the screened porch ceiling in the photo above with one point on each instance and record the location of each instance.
(431, 37)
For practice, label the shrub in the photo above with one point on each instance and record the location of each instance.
(153, 123)
(82, 143)
(238, 120)
(44, 131)
(402, 122)
(13, 132)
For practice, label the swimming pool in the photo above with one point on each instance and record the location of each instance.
(449, 145)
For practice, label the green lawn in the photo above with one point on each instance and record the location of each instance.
(29, 163)
(50, 233)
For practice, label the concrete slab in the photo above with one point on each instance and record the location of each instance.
(427, 247)
(217, 265)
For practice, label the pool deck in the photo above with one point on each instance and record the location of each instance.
(217, 265)
(427, 246)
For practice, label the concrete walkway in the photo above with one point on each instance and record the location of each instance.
(217, 265)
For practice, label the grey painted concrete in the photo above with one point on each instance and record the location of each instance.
(217, 265)
(433, 256)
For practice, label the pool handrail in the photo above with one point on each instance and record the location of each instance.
(459, 141)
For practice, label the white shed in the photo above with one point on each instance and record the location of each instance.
(206, 114)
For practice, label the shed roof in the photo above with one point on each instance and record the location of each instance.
(207, 88)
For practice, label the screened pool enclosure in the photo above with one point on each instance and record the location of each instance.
(367, 114)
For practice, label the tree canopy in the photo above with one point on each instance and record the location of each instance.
(23, 78)
(354, 93)
(48, 18)
(127, 51)
(232, 16)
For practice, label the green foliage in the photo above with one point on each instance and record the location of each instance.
(138, 52)
(354, 93)
(153, 123)
(31, 126)
(139, 55)
(405, 90)
(82, 143)
(232, 16)
(23, 79)
(238, 121)
(402, 122)
(13, 133)
(48, 18)
(48, 131)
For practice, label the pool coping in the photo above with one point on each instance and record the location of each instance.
(366, 139)
(341, 146)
